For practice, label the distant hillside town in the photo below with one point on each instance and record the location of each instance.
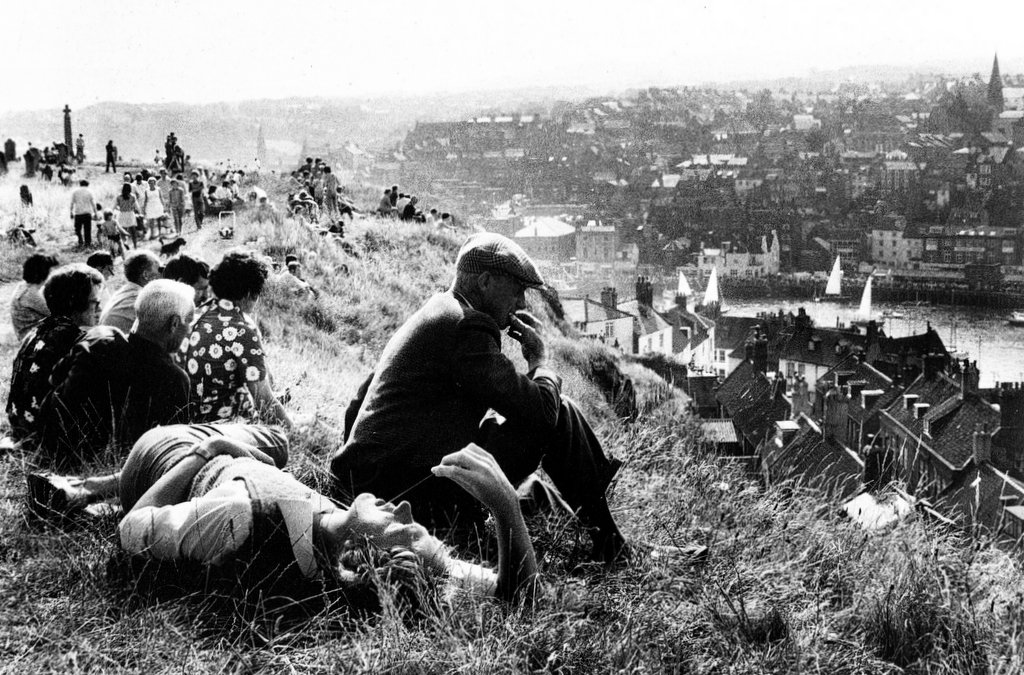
(920, 182)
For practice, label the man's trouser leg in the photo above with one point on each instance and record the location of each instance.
(572, 456)
(79, 222)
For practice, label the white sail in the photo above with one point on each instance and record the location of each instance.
(684, 286)
(711, 293)
(835, 280)
(864, 311)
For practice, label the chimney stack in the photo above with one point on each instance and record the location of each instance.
(969, 378)
(609, 296)
(837, 409)
(982, 445)
(785, 430)
(760, 353)
(933, 365)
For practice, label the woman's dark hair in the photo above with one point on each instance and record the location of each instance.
(37, 267)
(67, 290)
(126, 191)
(99, 259)
(186, 269)
(237, 275)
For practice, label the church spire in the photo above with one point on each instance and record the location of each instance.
(995, 86)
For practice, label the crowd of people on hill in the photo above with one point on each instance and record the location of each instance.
(169, 374)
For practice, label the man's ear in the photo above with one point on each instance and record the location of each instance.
(172, 324)
(485, 280)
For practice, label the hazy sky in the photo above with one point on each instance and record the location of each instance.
(187, 50)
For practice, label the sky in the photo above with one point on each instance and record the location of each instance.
(196, 52)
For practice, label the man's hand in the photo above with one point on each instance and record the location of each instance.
(219, 445)
(478, 473)
(523, 329)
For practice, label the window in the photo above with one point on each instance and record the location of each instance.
(609, 329)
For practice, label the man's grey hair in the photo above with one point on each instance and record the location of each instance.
(161, 299)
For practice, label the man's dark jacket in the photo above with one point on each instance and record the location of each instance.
(110, 390)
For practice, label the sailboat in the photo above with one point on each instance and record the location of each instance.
(833, 289)
(711, 292)
(864, 311)
(684, 286)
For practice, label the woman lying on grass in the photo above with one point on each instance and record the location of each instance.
(216, 494)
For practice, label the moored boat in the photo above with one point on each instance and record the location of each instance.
(1016, 319)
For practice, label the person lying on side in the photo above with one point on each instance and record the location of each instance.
(207, 493)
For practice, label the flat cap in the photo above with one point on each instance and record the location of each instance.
(490, 252)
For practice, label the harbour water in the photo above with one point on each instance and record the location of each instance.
(981, 334)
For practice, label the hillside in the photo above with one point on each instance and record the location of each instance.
(217, 132)
(790, 585)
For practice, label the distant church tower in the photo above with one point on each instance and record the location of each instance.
(995, 87)
(261, 147)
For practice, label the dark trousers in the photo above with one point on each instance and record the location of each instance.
(571, 456)
(198, 211)
(111, 164)
(83, 229)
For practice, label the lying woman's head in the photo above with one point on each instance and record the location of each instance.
(375, 580)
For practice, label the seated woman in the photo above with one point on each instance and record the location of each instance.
(224, 354)
(216, 494)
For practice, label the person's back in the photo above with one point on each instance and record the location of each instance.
(27, 309)
(110, 388)
(82, 201)
(415, 409)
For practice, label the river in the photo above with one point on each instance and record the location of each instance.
(983, 335)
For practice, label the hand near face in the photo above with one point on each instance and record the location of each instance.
(523, 329)
(478, 473)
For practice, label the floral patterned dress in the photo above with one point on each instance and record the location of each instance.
(44, 346)
(223, 354)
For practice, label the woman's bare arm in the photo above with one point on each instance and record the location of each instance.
(476, 471)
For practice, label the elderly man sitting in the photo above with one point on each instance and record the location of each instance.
(435, 382)
(112, 389)
(140, 267)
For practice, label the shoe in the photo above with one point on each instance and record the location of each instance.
(45, 496)
(52, 495)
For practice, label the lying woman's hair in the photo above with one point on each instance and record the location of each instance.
(374, 580)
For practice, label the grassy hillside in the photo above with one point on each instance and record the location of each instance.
(790, 585)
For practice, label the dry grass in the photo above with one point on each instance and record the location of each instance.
(790, 586)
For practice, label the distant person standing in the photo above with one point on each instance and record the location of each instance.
(111, 157)
(331, 186)
(80, 149)
(83, 206)
(153, 208)
(197, 189)
(127, 207)
(176, 202)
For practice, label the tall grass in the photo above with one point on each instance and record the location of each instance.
(790, 585)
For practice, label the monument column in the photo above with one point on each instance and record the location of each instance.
(67, 130)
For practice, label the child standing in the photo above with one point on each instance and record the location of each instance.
(114, 233)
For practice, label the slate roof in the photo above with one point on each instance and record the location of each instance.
(700, 328)
(812, 459)
(871, 378)
(650, 321)
(952, 420)
(825, 352)
(585, 310)
(747, 397)
(982, 495)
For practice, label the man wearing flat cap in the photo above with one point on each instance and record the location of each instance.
(438, 378)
